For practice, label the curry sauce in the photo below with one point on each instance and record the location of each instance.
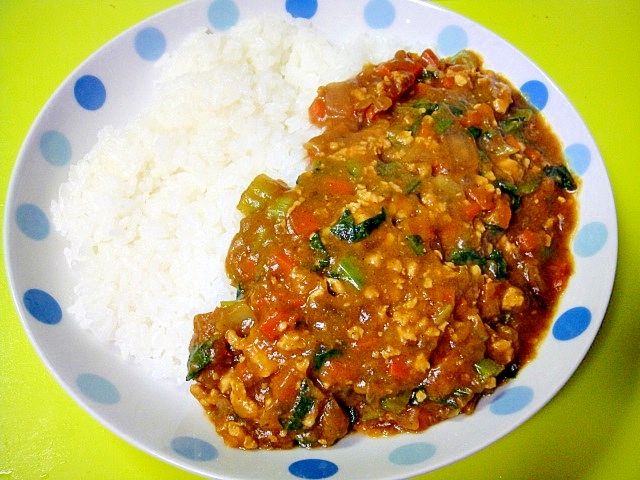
(412, 269)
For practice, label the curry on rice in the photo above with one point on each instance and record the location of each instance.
(411, 270)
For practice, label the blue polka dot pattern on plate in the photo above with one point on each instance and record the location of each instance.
(536, 92)
(194, 449)
(511, 400)
(451, 40)
(223, 14)
(150, 44)
(55, 148)
(590, 239)
(302, 8)
(412, 453)
(578, 157)
(313, 468)
(379, 13)
(42, 306)
(32, 221)
(572, 323)
(90, 92)
(98, 388)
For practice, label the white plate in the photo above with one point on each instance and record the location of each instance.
(162, 418)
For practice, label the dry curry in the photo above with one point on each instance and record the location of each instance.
(411, 270)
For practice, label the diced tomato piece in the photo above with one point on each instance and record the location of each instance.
(284, 384)
(417, 226)
(303, 221)
(532, 153)
(512, 141)
(430, 57)
(470, 210)
(270, 326)
(439, 169)
(448, 82)
(500, 215)
(338, 186)
(336, 372)
(483, 197)
(528, 240)
(559, 273)
(247, 265)
(318, 111)
(448, 295)
(471, 118)
(421, 89)
(398, 368)
(281, 263)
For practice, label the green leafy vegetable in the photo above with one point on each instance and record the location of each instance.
(304, 404)
(348, 270)
(561, 176)
(419, 396)
(496, 264)
(511, 190)
(466, 256)
(323, 260)
(417, 244)
(348, 230)
(323, 354)
(443, 119)
(492, 141)
(427, 75)
(424, 108)
(316, 243)
(516, 122)
(199, 357)
(493, 263)
(428, 106)
(530, 185)
(475, 132)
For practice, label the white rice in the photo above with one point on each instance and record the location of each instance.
(149, 212)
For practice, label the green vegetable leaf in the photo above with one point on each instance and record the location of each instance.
(496, 264)
(304, 404)
(465, 256)
(417, 244)
(561, 176)
(517, 121)
(316, 243)
(348, 230)
(429, 107)
(443, 119)
(199, 357)
(475, 132)
(511, 190)
(323, 260)
(427, 75)
(323, 354)
(348, 270)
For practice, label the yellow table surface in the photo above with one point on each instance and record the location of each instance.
(590, 430)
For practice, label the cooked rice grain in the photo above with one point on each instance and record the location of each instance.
(149, 212)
